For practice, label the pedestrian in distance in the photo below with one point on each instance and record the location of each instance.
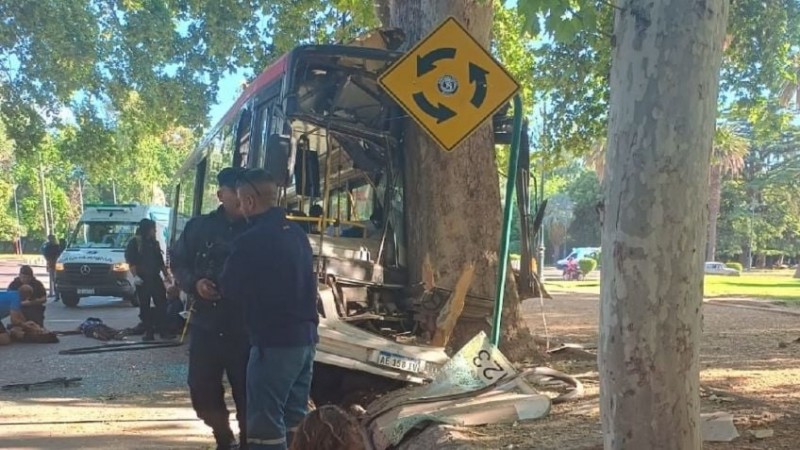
(270, 268)
(51, 251)
(217, 339)
(146, 260)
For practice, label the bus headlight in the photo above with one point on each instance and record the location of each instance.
(120, 267)
(59, 267)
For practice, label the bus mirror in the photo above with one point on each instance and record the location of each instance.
(277, 157)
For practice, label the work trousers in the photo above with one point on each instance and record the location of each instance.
(154, 317)
(278, 388)
(51, 275)
(212, 354)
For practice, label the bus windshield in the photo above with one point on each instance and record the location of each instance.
(102, 234)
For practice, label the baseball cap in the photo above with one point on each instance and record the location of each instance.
(228, 176)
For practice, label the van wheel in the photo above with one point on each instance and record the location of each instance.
(70, 301)
(134, 300)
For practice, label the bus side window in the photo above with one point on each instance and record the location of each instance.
(241, 156)
(264, 126)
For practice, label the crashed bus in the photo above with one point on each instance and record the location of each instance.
(317, 117)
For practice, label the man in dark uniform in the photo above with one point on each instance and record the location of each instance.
(32, 308)
(218, 340)
(271, 270)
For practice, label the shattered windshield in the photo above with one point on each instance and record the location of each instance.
(102, 234)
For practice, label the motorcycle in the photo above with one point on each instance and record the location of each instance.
(572, 272)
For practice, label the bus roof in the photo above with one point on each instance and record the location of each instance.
(272, 73)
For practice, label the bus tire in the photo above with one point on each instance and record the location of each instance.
(134, 300)
(70, 300)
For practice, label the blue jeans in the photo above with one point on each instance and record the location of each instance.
(278, 387)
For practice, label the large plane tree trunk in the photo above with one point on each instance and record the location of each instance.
(452, 199)
(664, 85)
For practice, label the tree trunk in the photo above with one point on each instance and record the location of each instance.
(761, 260)
(714, 199)
(664, 85)
(797, 271)
(452, 199)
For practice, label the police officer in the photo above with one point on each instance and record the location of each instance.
(271, 270)
(146, 260)
(218, 341)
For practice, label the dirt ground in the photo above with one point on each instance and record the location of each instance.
(750, 367)
(138, 400)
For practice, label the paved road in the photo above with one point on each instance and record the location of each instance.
(126, 400)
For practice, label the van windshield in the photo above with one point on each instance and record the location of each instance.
(102, 234)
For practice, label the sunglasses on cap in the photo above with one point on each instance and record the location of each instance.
(244, 177)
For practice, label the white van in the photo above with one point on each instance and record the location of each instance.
(94, 261)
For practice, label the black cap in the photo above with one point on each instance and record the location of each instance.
(228, 176)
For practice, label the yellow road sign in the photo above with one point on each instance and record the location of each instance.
(449, 84)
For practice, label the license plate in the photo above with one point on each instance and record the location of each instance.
(399, 362)
(85, 291)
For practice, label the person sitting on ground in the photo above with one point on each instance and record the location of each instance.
(23, 330)
(32, 308)
(330, 428)
(9, 307)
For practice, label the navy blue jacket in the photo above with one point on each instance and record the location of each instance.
(271, 269)
(200, 252)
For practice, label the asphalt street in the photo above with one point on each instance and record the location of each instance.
(125, 400)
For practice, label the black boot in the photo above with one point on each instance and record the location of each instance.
(149, 335)
(225, 440)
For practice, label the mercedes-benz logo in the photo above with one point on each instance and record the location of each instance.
(85, 270)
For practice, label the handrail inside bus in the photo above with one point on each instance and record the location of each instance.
(320, 221)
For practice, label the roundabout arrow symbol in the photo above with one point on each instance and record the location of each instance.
(441, 112)
(427, 62)
(477, 75)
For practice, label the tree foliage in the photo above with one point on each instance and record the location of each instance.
(572, 65)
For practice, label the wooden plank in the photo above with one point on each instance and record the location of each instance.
(449, 314)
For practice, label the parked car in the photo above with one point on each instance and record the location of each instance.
(718, 268)
(578, 253)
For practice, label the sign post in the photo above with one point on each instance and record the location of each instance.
(508, 214)
(451, 85)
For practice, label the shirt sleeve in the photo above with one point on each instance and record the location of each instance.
(14, 285)
(132, 253)
(181, 260)
(38, 289)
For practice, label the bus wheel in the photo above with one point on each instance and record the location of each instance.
(134, 300)
(70, 301)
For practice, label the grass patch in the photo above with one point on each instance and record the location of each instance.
(777, 285)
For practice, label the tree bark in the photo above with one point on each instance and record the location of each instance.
(664, 86)
(797, 271)
(714, 200)
(452, 199)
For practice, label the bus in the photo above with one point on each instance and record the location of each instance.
(318, 119)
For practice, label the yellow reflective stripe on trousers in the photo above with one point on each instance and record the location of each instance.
(266, 441)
